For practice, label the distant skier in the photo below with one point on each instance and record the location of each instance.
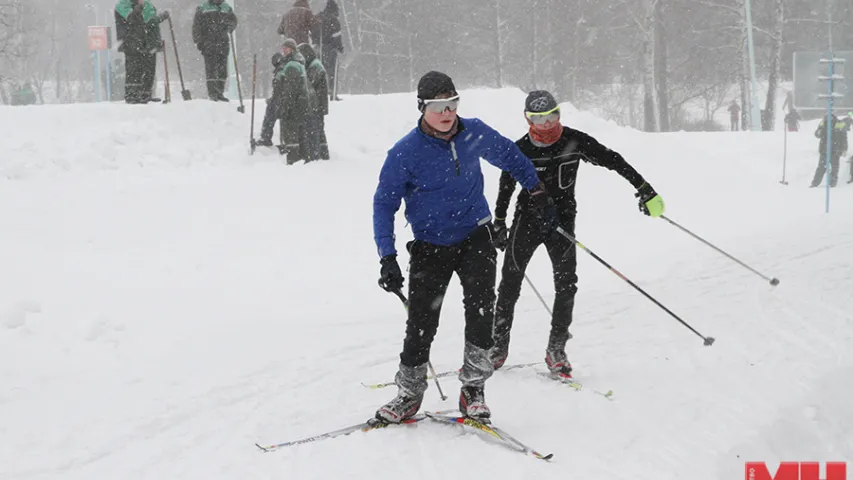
(318, 92)
(836, 150)
(556, 152)
(214, 20)
(792, 120)
(436, 169)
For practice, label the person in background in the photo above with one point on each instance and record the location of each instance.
(138, 33)
(271, 114)
(836, 150)
(297, 22)
(327, 34)
(213, 23)
(734, 115)
(319, 104)
(292, 104)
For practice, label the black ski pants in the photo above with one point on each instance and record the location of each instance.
(430, 269)
(216, 71)
(139, 77)
(524, 238)
(834, 161)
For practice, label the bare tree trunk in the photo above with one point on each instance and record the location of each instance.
(533, 50)
(498, 46)
(775, 61)
(650, 103)
(661, 67)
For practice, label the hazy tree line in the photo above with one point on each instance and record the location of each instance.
(638, 61)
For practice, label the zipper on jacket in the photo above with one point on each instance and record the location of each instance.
(455, 157)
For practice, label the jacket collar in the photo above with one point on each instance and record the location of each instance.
(438, 141)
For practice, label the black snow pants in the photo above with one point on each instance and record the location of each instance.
(430, 269)
(524, 238)
(216, 72)
(139, 77)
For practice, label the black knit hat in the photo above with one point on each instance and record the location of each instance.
(433, 84)
(540, 101)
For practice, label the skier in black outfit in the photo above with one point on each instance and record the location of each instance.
(556, 151)
(436, 169)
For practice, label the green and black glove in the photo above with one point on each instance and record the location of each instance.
(650, 202)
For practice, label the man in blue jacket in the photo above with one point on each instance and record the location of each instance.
(435, 168)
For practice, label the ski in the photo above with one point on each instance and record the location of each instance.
(578, 386)
(491, 430)
(371, 424)
(375, 386)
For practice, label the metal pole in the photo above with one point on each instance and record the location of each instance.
(108, 72)
(829, 126)
(754, 111)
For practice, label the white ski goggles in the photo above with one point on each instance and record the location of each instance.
(439, 105)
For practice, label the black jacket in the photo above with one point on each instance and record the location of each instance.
(557, 167)
(136, 36)
(211, 25)
(290, 90)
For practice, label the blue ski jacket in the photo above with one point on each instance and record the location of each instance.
(442, 183)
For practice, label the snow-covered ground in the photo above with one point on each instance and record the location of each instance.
(167, 300)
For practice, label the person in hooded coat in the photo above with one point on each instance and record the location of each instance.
(292, 104)
(271, 113)
(297, 22)
(318, 93)
(327, 34)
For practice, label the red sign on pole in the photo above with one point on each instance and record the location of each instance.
(98, 38)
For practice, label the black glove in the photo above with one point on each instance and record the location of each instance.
(500, 234)
(547, 211)
(163, 16)
(390, 276)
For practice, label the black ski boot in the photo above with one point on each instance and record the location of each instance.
(411, 385)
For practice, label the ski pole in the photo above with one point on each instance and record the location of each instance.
(184, 92)
(773, 281)
(784, 156)
(252, 122)
(544, 304)
(429, 363)
(708, 340)
(241, 108)
(167, 97)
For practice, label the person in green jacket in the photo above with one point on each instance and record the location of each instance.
(836, 150)
(318, 93)
(290, 95)
(138, 33)
(24, 95)
(213, 22)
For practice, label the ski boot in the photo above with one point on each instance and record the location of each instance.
(472, 404)
(558, 365)
(411, 385)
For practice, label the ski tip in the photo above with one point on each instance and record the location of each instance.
(545, 457)
(263, 449)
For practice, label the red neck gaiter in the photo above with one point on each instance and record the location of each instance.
(547, 137)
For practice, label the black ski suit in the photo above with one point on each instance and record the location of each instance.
(557, 167)
(213, 22)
